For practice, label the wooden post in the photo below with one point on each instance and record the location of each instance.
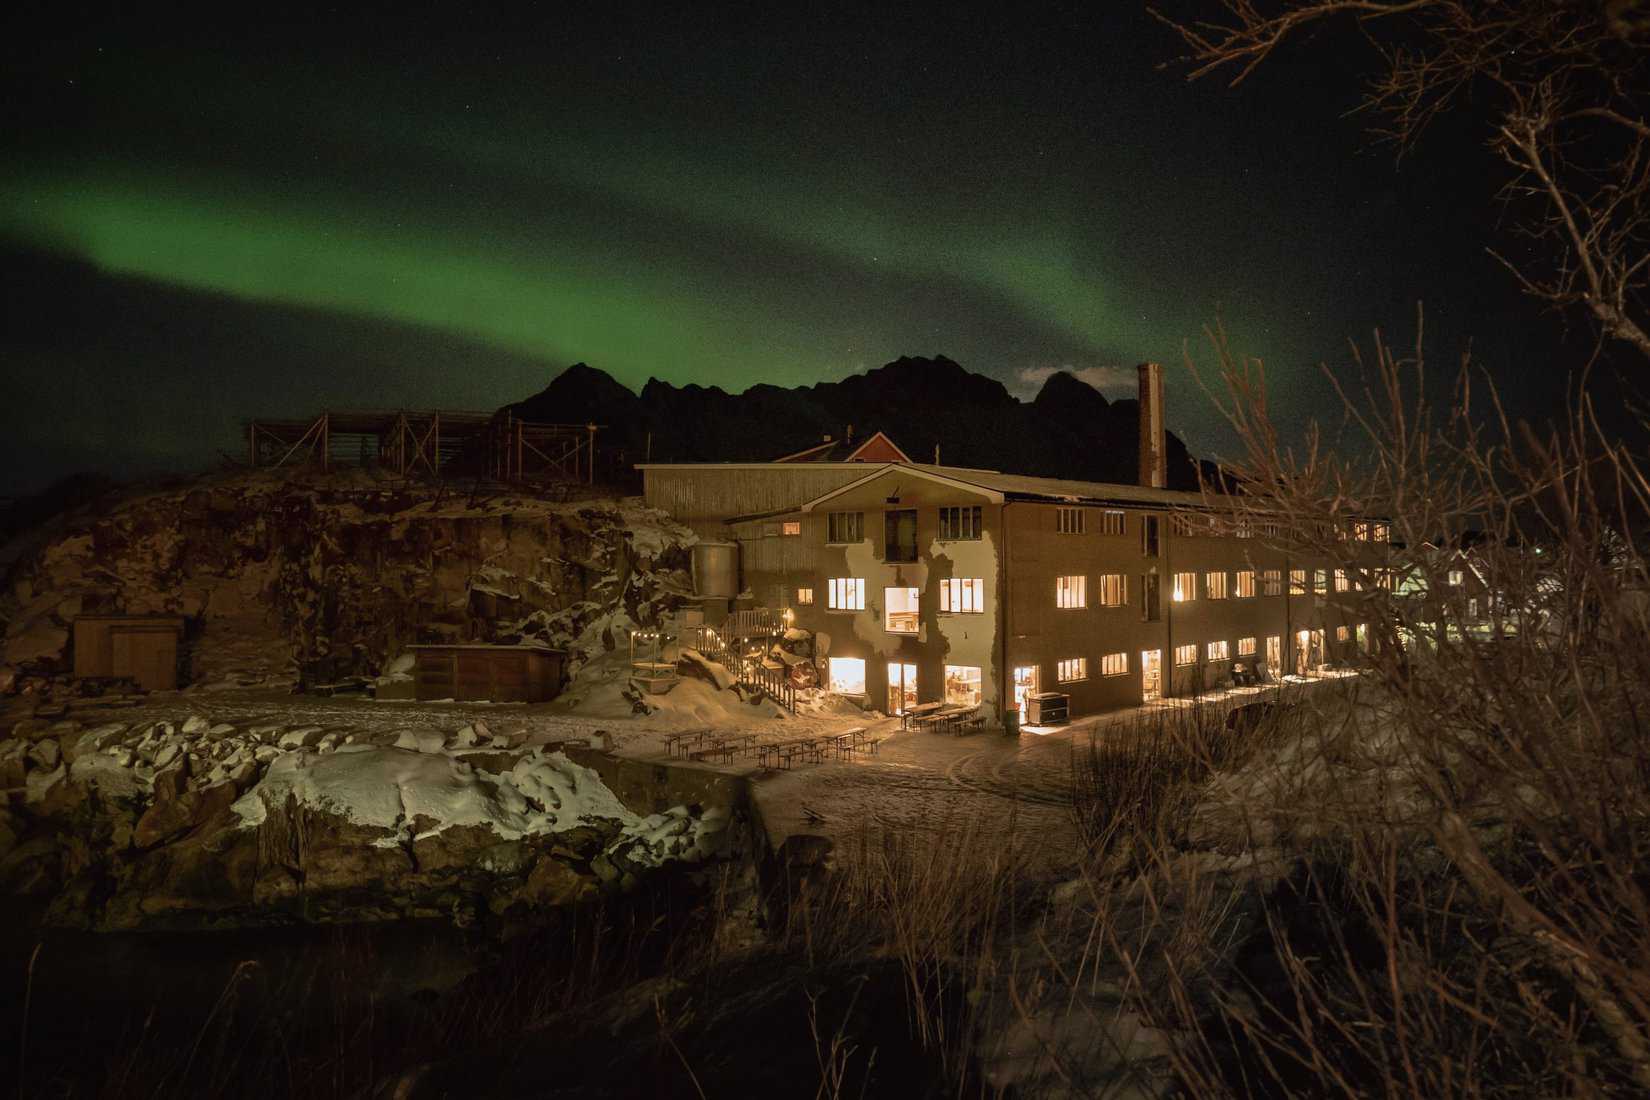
(590, 454)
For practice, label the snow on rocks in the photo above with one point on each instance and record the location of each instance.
(412, 795)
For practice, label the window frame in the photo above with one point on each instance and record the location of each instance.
(1118, 667)
(834, 520)
(1078, 665)
(1065, 585)
(956, 593)
(1069, 520)
(915, 610)
(838, 589)
(957, 520)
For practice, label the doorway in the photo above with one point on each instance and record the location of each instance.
(902, 687)
(1303, 645)
(1151, 674)
(1025, 686)
(1274, 653)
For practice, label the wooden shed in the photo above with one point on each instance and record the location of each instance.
(143, 648)
(501, 673)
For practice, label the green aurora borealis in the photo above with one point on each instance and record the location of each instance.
(675, 202)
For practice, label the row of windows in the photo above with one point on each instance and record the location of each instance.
(956, 525)
(967, 594)
(1216, 587)
(963, 523)
(846, 676)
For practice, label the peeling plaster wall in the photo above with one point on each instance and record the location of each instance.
(779, 565)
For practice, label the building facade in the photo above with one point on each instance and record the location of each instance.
(925, 583)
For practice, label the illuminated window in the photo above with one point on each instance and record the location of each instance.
(1320, 581)
(1382, 532)
(1269, 530)
(804, 596)
(845, 527)
(1073, 668)
(1360, 530)
(1185, 587)
(899, 610)
(1456, 577)
(1340, 580)
(1246, 647)
(959, 523)
(846, 594)
(1342, 633)
(791, 527)
(962, 594)
(1219, 651)
(1111, 522)
(1114, 592)
(1274, 650)
(962, 685)
(1214, 585)
(1297, 582)
(1071, 592)
(847, 675)
(1245, 583)
(1185, 654)
(1114, 664)
(1068, 521)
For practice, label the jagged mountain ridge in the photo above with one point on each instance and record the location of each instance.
(1068, 430)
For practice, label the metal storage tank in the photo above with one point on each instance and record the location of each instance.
(716, 569)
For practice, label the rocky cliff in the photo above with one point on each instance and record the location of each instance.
(300, 577)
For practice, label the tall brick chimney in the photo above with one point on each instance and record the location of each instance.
(1154, 463)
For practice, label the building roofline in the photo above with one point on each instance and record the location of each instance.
(753, 465)
(990, 494)
(903, 457)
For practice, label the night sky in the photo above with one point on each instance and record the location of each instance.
(374, 210)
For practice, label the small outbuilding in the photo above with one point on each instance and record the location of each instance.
(142, 648)
(500, 673)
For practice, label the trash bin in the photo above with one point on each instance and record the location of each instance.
(1011, 722)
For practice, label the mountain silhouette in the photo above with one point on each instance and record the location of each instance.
(1069, 430)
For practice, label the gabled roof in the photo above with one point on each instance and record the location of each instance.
(877, 448)
(998, 487)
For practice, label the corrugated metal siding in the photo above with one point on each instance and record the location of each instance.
(704, 492)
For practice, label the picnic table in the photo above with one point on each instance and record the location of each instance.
(915, 715)
(724, 747)
(682, 742)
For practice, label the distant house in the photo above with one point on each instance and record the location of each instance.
(878, 448)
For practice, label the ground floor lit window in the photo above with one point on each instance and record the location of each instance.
(1185, 654)
(962, 685)
(847, 675)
